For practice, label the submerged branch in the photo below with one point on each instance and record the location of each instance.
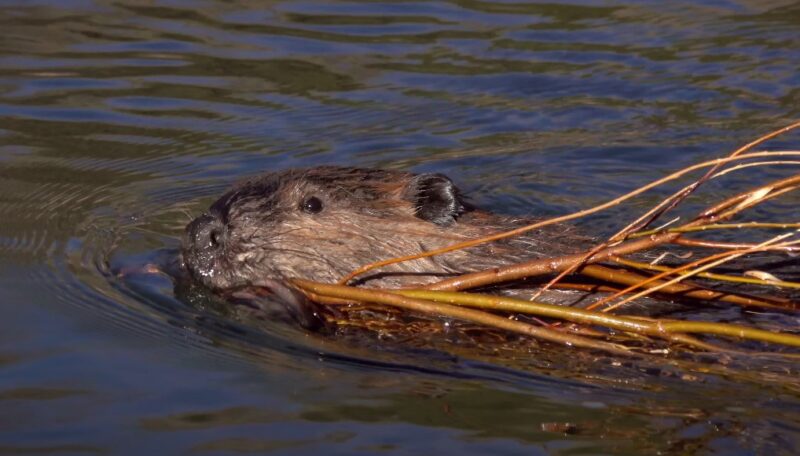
(655, 327)
(446, 310)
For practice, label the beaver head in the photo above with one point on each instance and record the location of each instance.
(321, 223)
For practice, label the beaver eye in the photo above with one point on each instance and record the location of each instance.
(312, 205)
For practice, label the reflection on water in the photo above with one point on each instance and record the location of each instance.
(118, 121)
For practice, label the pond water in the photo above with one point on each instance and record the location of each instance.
(120, 120)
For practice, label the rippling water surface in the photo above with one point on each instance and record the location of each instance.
(119, 120)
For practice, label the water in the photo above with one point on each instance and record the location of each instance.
(120, 120)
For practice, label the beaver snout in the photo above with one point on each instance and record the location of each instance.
(205, 232)
(202, 243)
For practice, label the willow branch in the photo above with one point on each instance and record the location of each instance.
(543, 266)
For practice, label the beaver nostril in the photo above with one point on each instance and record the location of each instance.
(214, 238)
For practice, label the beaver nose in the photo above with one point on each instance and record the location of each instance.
(205, 232)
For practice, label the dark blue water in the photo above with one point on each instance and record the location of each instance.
(120, 120)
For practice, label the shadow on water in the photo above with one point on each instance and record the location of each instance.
(120, 121)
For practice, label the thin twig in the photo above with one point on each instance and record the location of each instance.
(683, 290)
(719, 226)
(722, 245)
(712, 276)
(707, 263)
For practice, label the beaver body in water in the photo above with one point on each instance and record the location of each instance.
(321, 223)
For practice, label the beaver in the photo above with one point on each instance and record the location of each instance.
(321, 223)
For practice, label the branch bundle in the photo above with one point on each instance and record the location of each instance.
(614, 267)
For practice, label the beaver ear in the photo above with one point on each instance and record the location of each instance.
(435, 198)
